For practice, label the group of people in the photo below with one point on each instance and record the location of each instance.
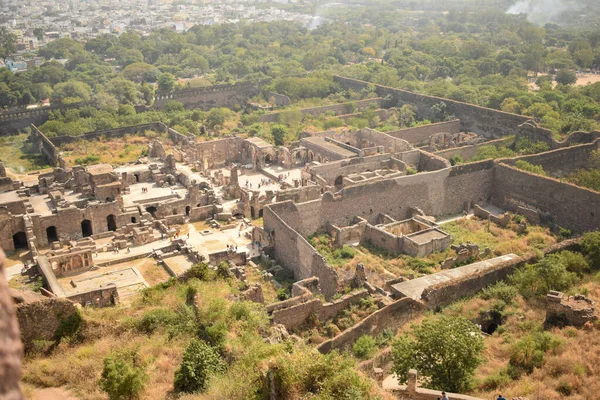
(268, 181)
(231, 248)
(144, 190)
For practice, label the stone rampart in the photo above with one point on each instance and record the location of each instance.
(561, 203)
(46, 147)
(419, 135)
(13, 121)
(560, 162)
(295, 253)
(483, 121)
(335, 109)
(211, 96)
(110, 133)
(105, 297)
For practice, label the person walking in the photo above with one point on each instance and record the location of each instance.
(500, 397)
(444, 396)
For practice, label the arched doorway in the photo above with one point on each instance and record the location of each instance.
(111, 222)
(152, 211)
(51, 234)
(339, 181)
(137, 177)
(20, 241)
(133, 220)
(86, 228)
(187, 210)
(298, 157)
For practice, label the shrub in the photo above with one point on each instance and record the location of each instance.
(282, 294)
(501, 291)
(457, 159)
(411, 171)
(89, 159)
(590, 244)
(200, 362)
(333, 123)
(364, 347)
(549, 274)
(496, 380)
(122, 376)
(528, 353)
(534, 169)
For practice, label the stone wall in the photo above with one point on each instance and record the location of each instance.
(105, 297)
(467, 152)
(419, 135)
(296, 315)
(335, 109)
(46, 147)
(391, 316)
(564, 204)
(532, 131)
(483, 121)
(110, 133)
(447, 292)
(295, 253)
(43, 319)
(12, 122)
(211, 96)
(443, 192)
(10, 345)
(560, 162)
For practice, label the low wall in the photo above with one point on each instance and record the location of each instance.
(104, 297)
(391, 316)
(420, 134)
(336, 109)
(296, 315)
(211, 96)
(445, 293)
(467, 152)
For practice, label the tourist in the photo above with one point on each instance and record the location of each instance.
(444, 397)
(500, 397)
(128, 249)
(188, 235)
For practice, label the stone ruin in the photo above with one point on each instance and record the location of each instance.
(561, 310)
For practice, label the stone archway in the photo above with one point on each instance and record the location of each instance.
(20, 241)
(86, 228)
(339, 181)
(111, 222)
(152, 210)
(51, 234)
(187, 210)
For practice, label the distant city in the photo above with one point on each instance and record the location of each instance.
(37, 23)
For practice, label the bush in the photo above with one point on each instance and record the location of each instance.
(332, 123)
(494, 381)
(590, 244)
(89, 159)
(200, 362)
(534, 169)
(549, 274)
(364, 347)
(500, 291)
(528, 353)
(457, 159)
(122, 376)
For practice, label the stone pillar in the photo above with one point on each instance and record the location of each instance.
(412, 382)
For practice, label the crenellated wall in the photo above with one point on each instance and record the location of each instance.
(419, 135)
(211, 96)
(335, 109)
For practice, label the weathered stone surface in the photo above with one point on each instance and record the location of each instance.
(10, 345)
(575, 310)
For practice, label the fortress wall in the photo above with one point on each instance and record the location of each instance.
(560, 162)
(442, 192)
(295, 253)
(336, 109)
(420, 134)
(110, 133)
(466, 152)
(483, 121)
(565, 204)
(211, 96)
(47, 148)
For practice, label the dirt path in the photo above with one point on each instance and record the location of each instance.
(51, 394)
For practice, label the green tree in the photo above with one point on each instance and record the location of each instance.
(122, 377)
(71, 92)
(7, 42)
(166, 82)
(200, 362)
(364, 347)
(139, 72)
(279, 133)
(566, 77)
(445, 350)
